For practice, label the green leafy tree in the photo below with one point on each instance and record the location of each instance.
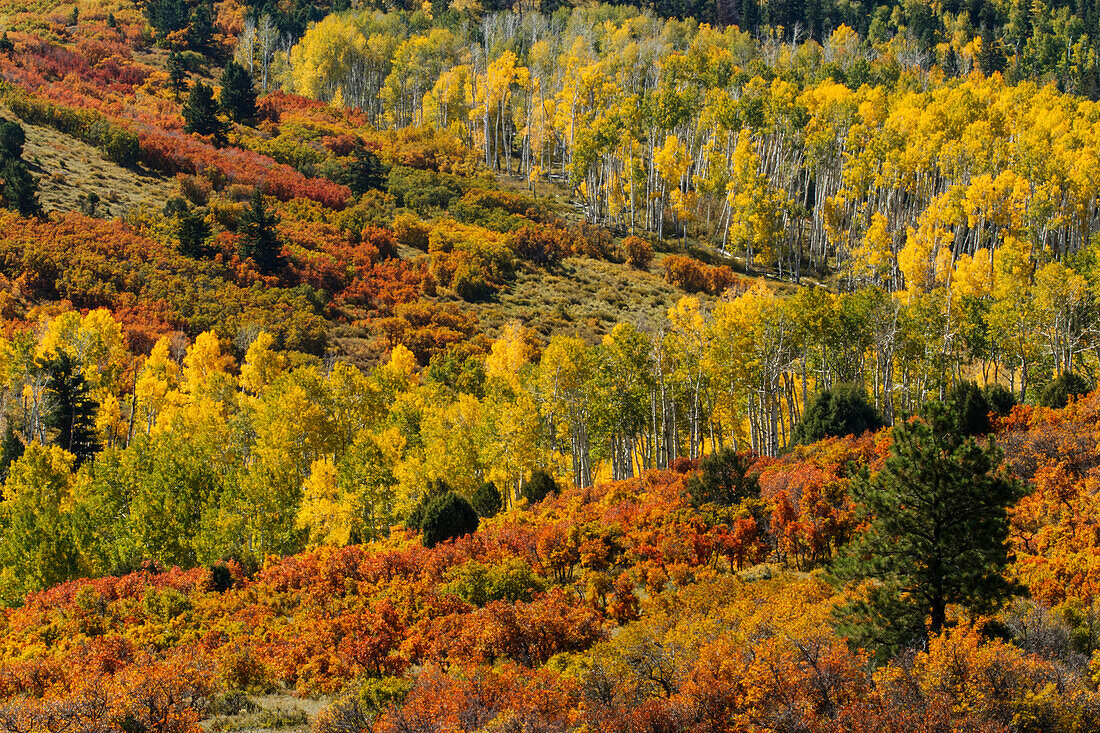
(723, 479)
(238, 96)
(449, 516)
(937, 534)
(842, 410)
(259, 241)
(200, 114)
(37, 545)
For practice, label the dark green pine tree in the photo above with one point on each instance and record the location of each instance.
(842, 410)
(951, 63)
(449, 516)
(487, 501)
(200, 31)
(259, 241)
(177, 74)
(12, 139)
(20, 189)
(111, 22)
(71, 409)
(6, 46)
(11, 448)
(539, 486)
(201, 114)
(364, 172)
(238, 97)
(991, 57)
(971, 408)
(1057, 394)
(166, 16)
(192, 231)
(937, 534)
(723, 479)
(435, 489)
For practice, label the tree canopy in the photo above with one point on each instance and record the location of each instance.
(937, 533)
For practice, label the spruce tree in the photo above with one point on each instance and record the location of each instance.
(192, 232)
(11, 448)
(1067, 385)
(166, 16)
(435, 489)
(937, 534)
(201, 114)
(200, 30)
(539, 486)
(951, 63)
(991, 57)
(20, 189)
(971, 409)
(71, 409)
(447, 517)
(842, 410)
(12, 139)
(177, 74)
(487, 501)
(364, 172)
(259, 242)
(723, 479)
(238, 98)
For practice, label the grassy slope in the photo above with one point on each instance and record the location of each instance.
(581, 296)
(68, 169)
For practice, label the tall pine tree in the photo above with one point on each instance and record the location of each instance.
(167, 16)
(259, 242)
(71, 410)
(12, 139)
(937, 534)
(200, 31)
(200, 114)
(20, 189)
(238, 98)
(192, 232)
(177, 74)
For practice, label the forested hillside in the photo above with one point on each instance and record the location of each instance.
(540, 367)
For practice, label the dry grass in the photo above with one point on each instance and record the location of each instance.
(581, 297)
(68, 169)
(255, 713)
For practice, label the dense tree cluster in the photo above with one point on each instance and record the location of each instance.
(274, 432)
(618, 605)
